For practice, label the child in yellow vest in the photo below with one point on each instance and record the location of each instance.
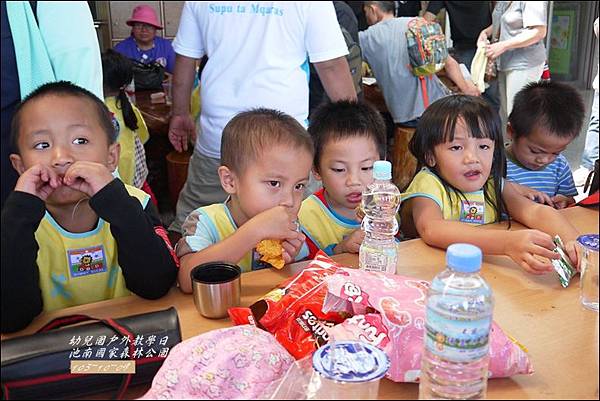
(133, 133)
(458, 144)
(349, 137)
(265, 164)
(71, 232)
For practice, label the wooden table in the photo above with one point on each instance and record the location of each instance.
(561, 336)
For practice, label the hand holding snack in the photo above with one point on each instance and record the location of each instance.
(39, 180)
(87, 177)
(278, 222)
(291, 248)
(525, 247)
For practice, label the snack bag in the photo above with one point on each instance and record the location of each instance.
(563, 266)
(398, 323)
(292, 312)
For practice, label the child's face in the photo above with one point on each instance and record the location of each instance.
(57, 131)
(346, 168)
(466, 162)
(538, 149)
(277, 178)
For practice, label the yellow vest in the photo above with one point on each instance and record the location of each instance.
(126, 139)
(323, 226)
(79, 268)
(473, 209)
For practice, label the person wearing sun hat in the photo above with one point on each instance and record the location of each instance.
(143, 45)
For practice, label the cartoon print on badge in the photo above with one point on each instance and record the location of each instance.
(86, 262)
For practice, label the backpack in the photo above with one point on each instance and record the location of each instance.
(427, 51)
(354, 58)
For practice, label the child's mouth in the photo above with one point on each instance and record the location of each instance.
(354, 197)
(472, 175)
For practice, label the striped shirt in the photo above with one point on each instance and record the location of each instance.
(554, 179)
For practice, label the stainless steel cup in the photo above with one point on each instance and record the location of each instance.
(216, 287)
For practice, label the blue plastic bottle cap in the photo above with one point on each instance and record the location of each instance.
(464, 258)
(350, 361)
(382, 170)
(589, 241)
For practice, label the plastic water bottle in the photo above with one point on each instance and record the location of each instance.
(458, 319)
(380, 203)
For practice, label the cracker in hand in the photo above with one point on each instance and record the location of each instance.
(271, 252)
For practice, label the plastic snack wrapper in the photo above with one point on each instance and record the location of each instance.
(563, 266)
(292, 312)
(397, 322)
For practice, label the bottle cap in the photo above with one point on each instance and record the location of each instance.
(350, 361)
(589, 241)
(464, 258)
(382, 170)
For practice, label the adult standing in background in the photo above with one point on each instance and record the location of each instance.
(467, 20)
(143, 45)
(43, 41)
(257, 57)
(519, 51)
(384, 47)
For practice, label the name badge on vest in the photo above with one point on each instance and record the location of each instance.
(86, 261)
(472, 212)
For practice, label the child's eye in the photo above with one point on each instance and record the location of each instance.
(274, 184)
(484, 147)
(455, 147)
(367, 168)
(337, 170)
(41, 145)
(80, 141)
(300, 187)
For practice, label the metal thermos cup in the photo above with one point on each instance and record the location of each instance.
(216, 287)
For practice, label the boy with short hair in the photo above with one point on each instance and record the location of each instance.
(349, 137)
(71, 232)
(265, 163)
(546, 117)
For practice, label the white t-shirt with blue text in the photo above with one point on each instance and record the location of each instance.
(258, 55)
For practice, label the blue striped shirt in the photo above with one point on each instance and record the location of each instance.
(554, 179)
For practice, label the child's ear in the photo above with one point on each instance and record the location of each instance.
(430, 160)
(17, 163)
(316, 174)
(228, 180)
(509, 131)
(114, 150)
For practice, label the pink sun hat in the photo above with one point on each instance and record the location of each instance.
(144, 14)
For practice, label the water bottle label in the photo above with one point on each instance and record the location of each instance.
(457, 340)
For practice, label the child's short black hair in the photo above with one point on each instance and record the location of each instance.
(64, 88)
(250, 134)
(346, 119)
(553, 106)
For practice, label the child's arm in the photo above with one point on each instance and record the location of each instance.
(520, 245)
(350, 244)
(541, 217)
(275, 223)
(21, 295)
(145, 255)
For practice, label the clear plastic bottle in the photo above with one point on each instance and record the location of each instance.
(458, 319)
(380, 203)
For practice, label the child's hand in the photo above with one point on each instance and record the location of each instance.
(561, 201)
(291, 248)
(534, 195)
(87, 177)
(571, 250)
(278, 222)
(351, 244)
(39, 180)
(526, 246)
